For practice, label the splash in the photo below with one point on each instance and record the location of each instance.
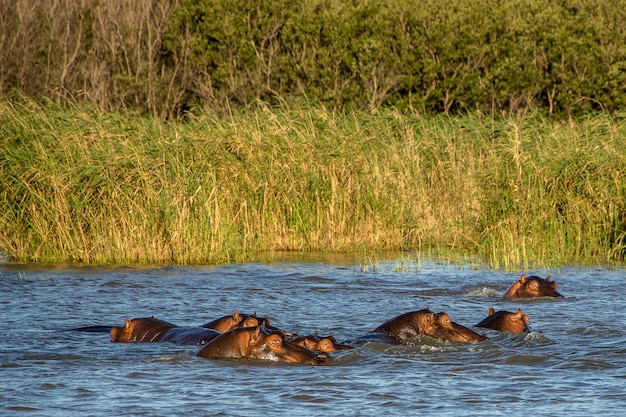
(484, 292)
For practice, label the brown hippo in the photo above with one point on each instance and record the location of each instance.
(446, 329)
(425, 322)
(226, 323)
(317, 343)
(530, 287)
(408, 325)
(505, 321)
(151, 329)
(260, 343)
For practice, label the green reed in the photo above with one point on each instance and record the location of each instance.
(81, 185)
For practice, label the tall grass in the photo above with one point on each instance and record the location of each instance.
(82, 185)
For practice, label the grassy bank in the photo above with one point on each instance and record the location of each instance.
(81, 185)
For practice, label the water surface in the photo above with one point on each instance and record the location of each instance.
(573, 363)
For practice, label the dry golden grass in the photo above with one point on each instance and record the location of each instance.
(80, 185)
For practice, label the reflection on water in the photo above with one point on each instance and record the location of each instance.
(572, 363)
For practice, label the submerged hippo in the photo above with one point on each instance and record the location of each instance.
(531, 287)
(424, 322)
(151, 329)
(260, 343)
(446, 329)
(317, 343)
(92, 329)
(235, 320)
(408, 325)
(505, 321)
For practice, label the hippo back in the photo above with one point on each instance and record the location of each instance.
(146, 329)
(408, 325)
(189, 335)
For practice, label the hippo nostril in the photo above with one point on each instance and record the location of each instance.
(321, 359)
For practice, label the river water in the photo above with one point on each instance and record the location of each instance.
(573, 363)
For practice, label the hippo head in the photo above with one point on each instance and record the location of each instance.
(531, 287)
(260, 343)
(443, 320)
(409, 325)
(333, 343)
(506, 321)
(146, 329)
(122, 334)
(446, 329)
(272, 346)
(235, 320)
(314, 342)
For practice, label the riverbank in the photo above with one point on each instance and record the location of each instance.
(81, 185)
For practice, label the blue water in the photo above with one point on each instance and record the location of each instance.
(573, 363)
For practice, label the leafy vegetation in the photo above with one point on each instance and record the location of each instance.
(172, 57)
(190, 131)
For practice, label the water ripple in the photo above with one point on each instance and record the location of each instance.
(571, 364)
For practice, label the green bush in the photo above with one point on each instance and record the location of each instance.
(169, 57)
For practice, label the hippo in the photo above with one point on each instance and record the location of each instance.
(446, 329)
(408, 325)
(226, 323)
(505, 321)
(260, 343)
(424, 322)
(189, 335)
(531, 287)
(151, 329)
(317, 343)
(92, 329)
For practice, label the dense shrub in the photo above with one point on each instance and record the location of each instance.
(167, 57)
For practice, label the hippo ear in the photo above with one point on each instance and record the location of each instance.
(308, 343)
(252, 335)
(522, 278)
(548, 278)
(519, 313)
(127, 324)
(491, 311)
(236, 316)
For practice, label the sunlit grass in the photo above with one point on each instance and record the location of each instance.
(81, 185)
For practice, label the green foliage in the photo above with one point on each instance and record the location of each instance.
(173, 57)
